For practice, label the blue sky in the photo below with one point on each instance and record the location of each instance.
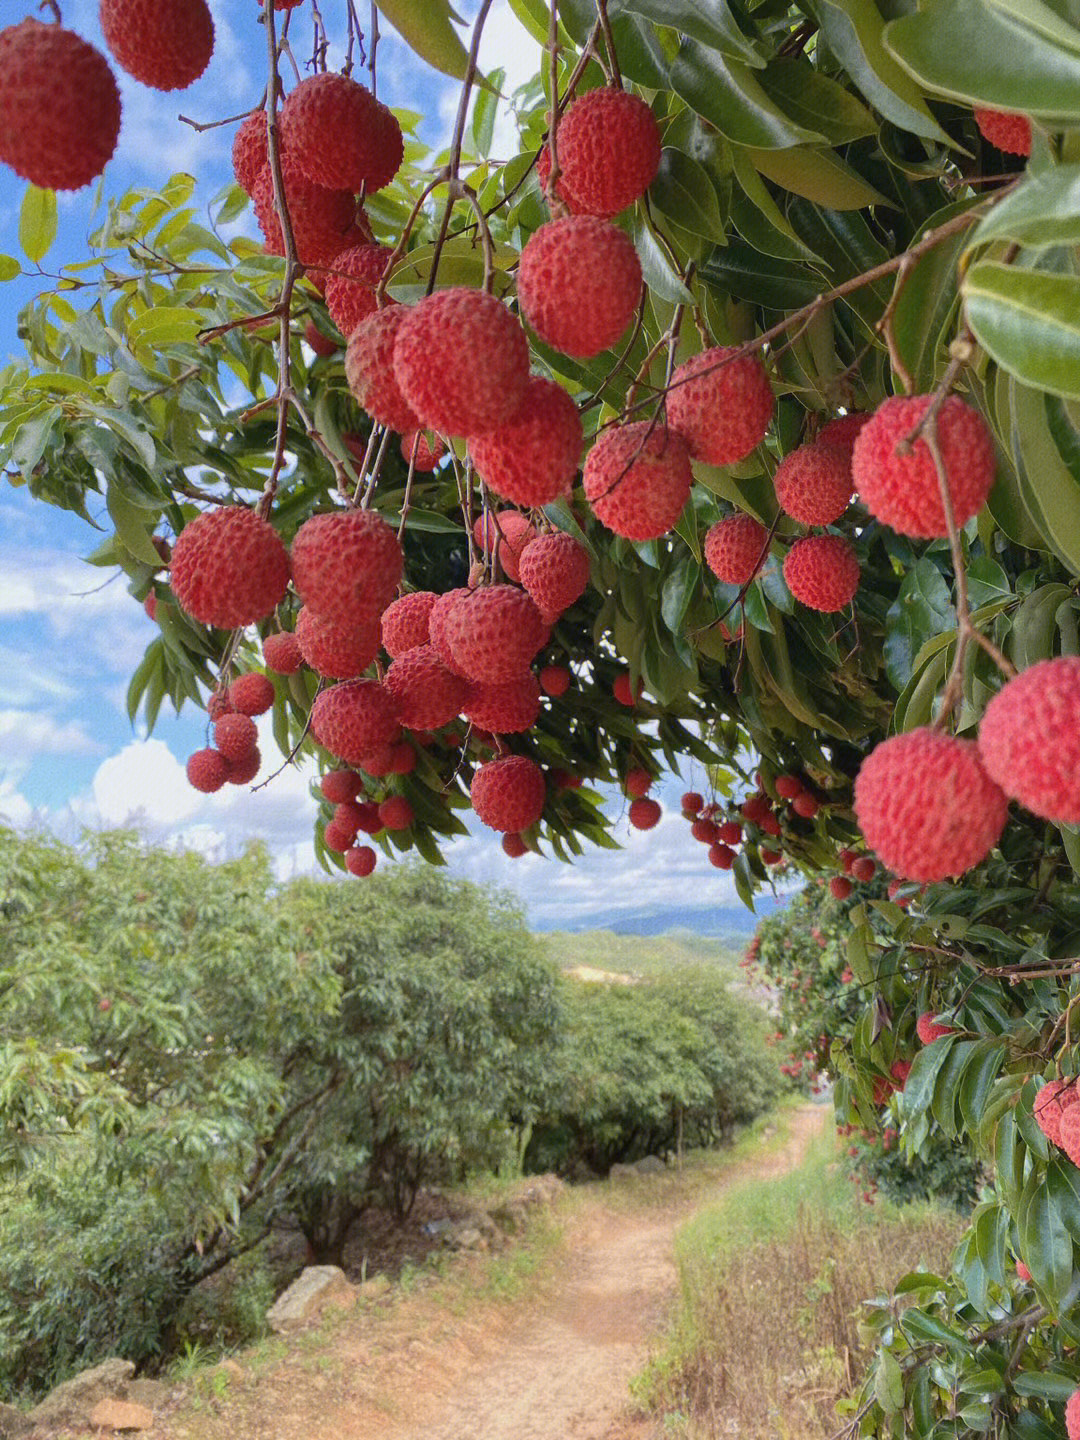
(70, 634)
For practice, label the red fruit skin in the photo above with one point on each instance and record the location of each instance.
(770, 857)
(842, 431)
(417, 450)
(928, 1029)
(1029, 739)
(369, 369)
(644, 814)
(505, 709)
(251, 694)
(579, 284)
(554, 680)
(353, 719)
(1011, 133)
(813, 484)
(150, 605)
(350, 284)
(926, 805)
(235, 736)
(706, 831)
(336, 652)
(637, 783)
(461, 360)
(902, 490)
(249, 150)
(60, 104)
(735, 548)
(609, 150)
(1050, 1105)
(340, 135)
(514, 846)
(511, 532)
(1024, 1274)
(840, 887)
(347, 565)
(721, 403)
(322, 219)
(722, 856)
(207, 770)
(509, 794)
(731, 832)
(320, 343)
(439, 614)
(405, 622)
(638, 480)
(246, 768)
(822, 572)
(692, 802)
(564, 780)
(623, 691)
(360, 860)
(533, 458)
(428, 695)
(493, 634)
(863, 869)
(554, 570)
(229, 568)
(806, 805)
(282, 654)
(166, 44)
(396, 813)
(788, 786)
(340, 786)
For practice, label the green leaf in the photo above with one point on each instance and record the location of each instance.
(919, 1086)
(729, 96)
(925, 317)
(1045, 1384)
(889, 1383)
(133, 526)
(710, 21)
(1044, 1240)
(425, 26)
(815, 101)
(817, 175)
(656, 267)
(37, 223)
(1048, 488)
(1043, 210)
(9, 268)
(164, 325)
(921, 610)
(1029, 321)
(683, 190)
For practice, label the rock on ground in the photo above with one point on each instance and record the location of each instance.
(313, 1288)
(72, 1401)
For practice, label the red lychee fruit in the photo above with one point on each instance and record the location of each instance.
(555, 571)
(368, 819)
(320, 343)
(402, 759)
(251, 694)
(339, 835)
(514, 846)
(788, 786)
(822, 572)
(437, 619)
(244, 770)
(813, 484)
(840, 887)
(505, 709)
(461, 360)
(509, 794)
(396, 813)
(340, 135)
(554, 680)
(229, 568)
(350, 287)
(644, 814)
(249, 150)
(722, 856)
(624, 693)
(493, 634)
(579, 284)
(207, 770)
(347, 818)
(281, 653)
(926, 805)
(842, 431)
(1024, 1274)
(721, 403)
(353, 719)
(60, 106)
(532, 458)
(692, 802)
(1008, 131)
(638, 479)
(735, 548)
(1072, 1416)
(901, 489)
(770, 857)
(150, 604)
(565, 780)
(609, 150)
(166, 44)
(405, 622)
(1050, 1105)
(1029, 739)
(806, 805)
(235, 736)
(418, 450)
(219, 704)
(428, 695)
(731, 832)
(321, 219)
(705, 830)
(928, 1029)
(340, 786)
(347, 565)
(510, 531)
(863, 868)
(637, 783)
(337, 652)
(369, 369)
(360, 860)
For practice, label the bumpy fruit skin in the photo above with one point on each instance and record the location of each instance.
(166, 44)
(928, 1029)
(340, 135)
(788, 787)
(638, 479)
(840, 887)
(346, 565)
(207, 770)
(609, 151)
(437, 618)
(340, 786)
(251, 694)
(842, 431)
(336, 652)
(506, 709)
(514, 846)
(692, 802)
(282, 654)
(1070, 1133)
(644, 814)
(493, 633)
(249, 151)
(555, 571)
(554, 680)
(1029, 739)
(350, 289)
(926, 805)
(705, 830)
(59, 106)
(637, 783)
(721, 403)
(405, 622)
(360, 860)
(461, 360)
(229, 568)
(902, 490)
(1050, 1105)
(813, 484)
(369, 369)
(822, 572)
(1006, 130)
(863, 868)
(396, 813)
(722, 856)
(735, 548)
(1072, 1416)
(418, 451)
(509, 794)
(235, 736)
(246, 768)
(579, 284)
(353, 719)
(321, 219)
(533, 458)
(511, 532)
(428, 695)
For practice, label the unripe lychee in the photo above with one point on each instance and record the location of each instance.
(555, 571)
(336, 652)
(244, 769)
(251, 694)
(340, 786)
(346, 565)
(353, 719)
(509, 794)
(1006, 130)
(60, 106)
(842, 431)
(514, 846)
(638, 479)
(579, 284)
(369, 369)
(350, 287)
(396, 813)
(929, 1030)
(166, 44)
(901, 489)
(505, 709)
(813, 484)
(235, 736)
(281, 653)
(926, 805)
(207, 770)
(360, 860)
(428, 695)
(510, 531)
(494, 632)
(249, 150)
(1029, 739)
(461, 360)
(229, 568)
(624, 693)
(722, 856)
(532, 459)
(840, 887)
(735, 548)
(321, 219)
(822, 572)
(419, 451)
(637, 783)
(554, 680)
(1050, 1105)
(609, 150)
(721, 403)
(644, 814)
(405, 622)
(340, 135)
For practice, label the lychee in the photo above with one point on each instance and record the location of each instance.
(863, 868)
(437, 618)
(644, 814)
(705, 830)
(926, 805)
(251, 694)
(360, 860)
(721, 403)
(340, 786)
(735, 548)
(354, 718)
(509, 793)
(320, 343)
(337, 652)
(579, 284)
(510, 531)
(813, 484)
(419, 451)
(60, 106)
(554, 680)
(396, 813)
(731, 832)
(166, 44)
(428, 695)
(369, 369)
(321, 219)
(347, 565)
(207, 770)
(842, 431)
(532, 459)
(822, 572)
(235, 736)
(244, 769)
(638, 479)
(1029, 739)
(624, 693)
(1007, 131)
(692, 802)
(609, 150)
(788, 786)
(514, 846)
(281, 653)
(1024, 1274)
(150, 604)
(229, 568)
(1050, 1105)
(494, 632)
(405, 622)
(840, 887)
(555, 571)
(350, 285)
(900, 487)
(637, 783)
(929, 1030)
(340, 135)
(461, 360)
(249, 150)
(507, 708)
(722, 856)
(806, 805)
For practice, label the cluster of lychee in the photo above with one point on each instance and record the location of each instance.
(234, 757)
(758, 818)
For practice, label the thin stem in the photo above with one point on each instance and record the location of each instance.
(553, 113)
(373, 45)
(609, 42)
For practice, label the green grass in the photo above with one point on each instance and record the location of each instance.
(646, 955)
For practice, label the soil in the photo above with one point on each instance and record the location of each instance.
(553, 1363)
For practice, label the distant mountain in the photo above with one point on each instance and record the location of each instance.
(734, 922)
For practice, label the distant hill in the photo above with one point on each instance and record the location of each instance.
(639, 954)
(733, 924)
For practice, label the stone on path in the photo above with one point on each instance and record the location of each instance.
(118, 1415)
(315, 1287)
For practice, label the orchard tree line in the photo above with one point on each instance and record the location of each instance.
(757, 366)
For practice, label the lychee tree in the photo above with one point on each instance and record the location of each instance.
(747, 262)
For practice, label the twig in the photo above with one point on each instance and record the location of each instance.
(373, 45)
(201, 126)
(609, 42)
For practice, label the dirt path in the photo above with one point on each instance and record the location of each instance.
(552, 1365)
